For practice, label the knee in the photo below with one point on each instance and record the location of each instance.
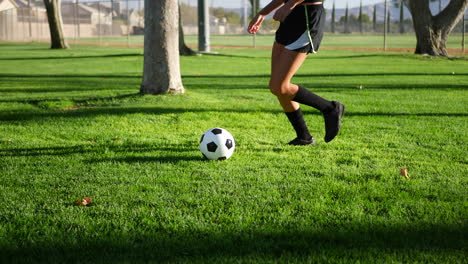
(280, 89)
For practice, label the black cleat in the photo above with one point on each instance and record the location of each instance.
(302, 142)
(333, 121)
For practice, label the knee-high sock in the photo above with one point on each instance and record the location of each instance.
(299, 124)
(304, 96)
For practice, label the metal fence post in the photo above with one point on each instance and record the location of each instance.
(11, 30)
(203, 26)
(22, 18)
(99, 23)
(29, 19)
(78, 18)
(128, 24)
(74, 21)
(244, 2)
(38, 26)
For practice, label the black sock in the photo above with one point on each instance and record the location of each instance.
(299, 124)
(304, 96)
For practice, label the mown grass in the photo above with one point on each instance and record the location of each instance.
(369, 41)
(74, 125)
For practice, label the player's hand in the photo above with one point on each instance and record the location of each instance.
(255, 24)
(282, 13)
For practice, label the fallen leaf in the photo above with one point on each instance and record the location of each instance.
(85, 201)
(404, 173)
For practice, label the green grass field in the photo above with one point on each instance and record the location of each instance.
(370, 41)
(72, 124)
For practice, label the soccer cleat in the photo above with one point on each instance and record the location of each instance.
(333, 120)
(302, 142)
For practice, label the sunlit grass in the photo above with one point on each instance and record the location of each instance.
(72, 124)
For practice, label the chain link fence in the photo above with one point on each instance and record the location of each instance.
(23, 20)
(121, 22)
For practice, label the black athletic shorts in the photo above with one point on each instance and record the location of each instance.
(302, 31)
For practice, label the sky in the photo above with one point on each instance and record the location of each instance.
(328, 3)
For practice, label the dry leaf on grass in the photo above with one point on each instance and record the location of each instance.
(85, 201)
(404, 173)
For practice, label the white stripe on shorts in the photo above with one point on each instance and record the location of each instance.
(302, 41)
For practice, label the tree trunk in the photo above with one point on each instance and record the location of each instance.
(161, 68)
(432, 31)
(333, 19)
(374, 19)
(360, 17)
(346, 21)
(54, 17)
(402, 18)
(183, 49)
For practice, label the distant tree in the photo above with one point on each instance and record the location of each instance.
(161, 67)
(54, 16)
(218, 12)
(333, 18)
(346, 20)
(189, 14)
(183, 48)
(257, 6)
(233, 17)
(112, 15)
(360, 17)
(112, 7)
(354, 20)
(269, 24)
(402, 18)
(374, 19)
(389, 20)
(432, 32)
(365, 19)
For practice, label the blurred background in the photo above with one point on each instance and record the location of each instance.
(351, 24)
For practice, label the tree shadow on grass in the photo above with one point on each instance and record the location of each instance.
(12, 75)
(120, 111)
(85, 100)
(149, 159)
(51, 76)
(335, 87)
(31, 94)
(127, 152)
(74, 57)
(330, 75)
(340, 242)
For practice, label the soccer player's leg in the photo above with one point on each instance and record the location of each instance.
(332, 110)
(284, 65)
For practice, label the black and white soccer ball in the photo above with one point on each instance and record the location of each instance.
(217, 144)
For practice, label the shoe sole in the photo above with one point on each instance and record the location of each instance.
(303, 143)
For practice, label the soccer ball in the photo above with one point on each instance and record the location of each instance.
(217, 144)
